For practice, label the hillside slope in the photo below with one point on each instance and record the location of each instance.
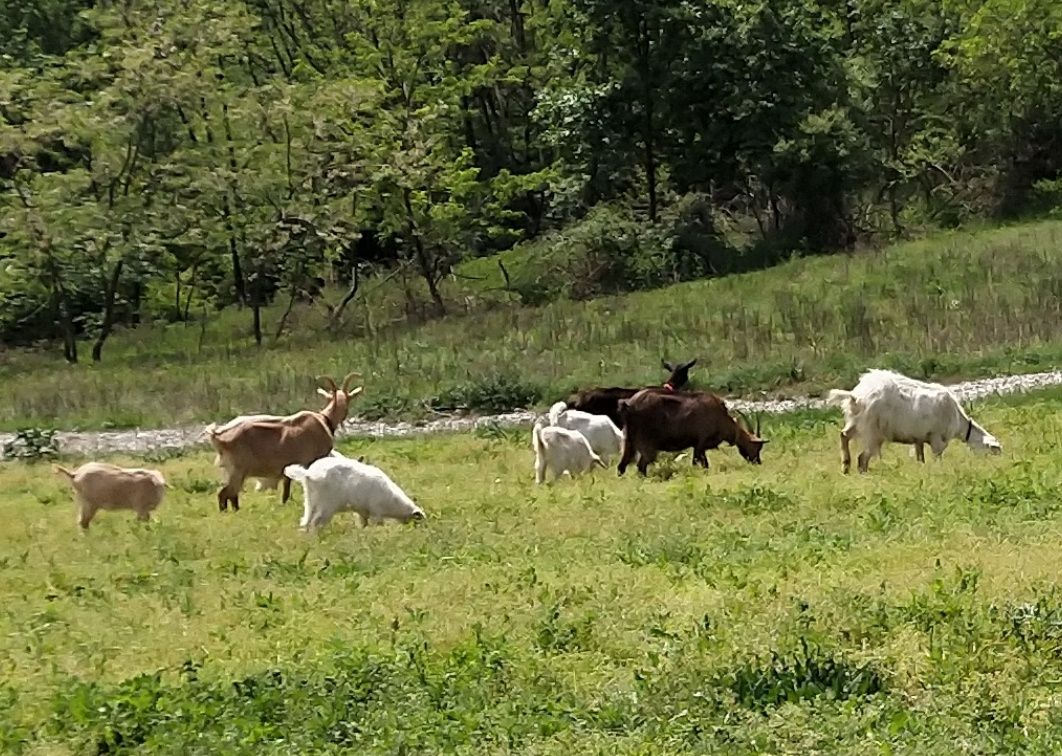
(961, 304)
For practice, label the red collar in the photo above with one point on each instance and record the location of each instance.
(669, 387)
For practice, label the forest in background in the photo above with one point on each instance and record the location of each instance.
(162, 160)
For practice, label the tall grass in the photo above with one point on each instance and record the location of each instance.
(958, 304)
(779, 608)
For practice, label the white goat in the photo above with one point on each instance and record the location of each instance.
(339, 484)
(98, 485)
(561, 451)
(604, 437)
(887, 406)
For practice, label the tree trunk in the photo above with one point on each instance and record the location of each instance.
(108, 311)
(352, 292)
(67, 323)
(226, 203)
(424, 262)
(648, 126)
(237, 267)
(256, 320)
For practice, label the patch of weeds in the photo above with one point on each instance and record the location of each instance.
(556, 634)
(495, 432)
(672, 551)
(383, 406)
(945, 603)
(411, 699)
(32, 445)
(490, 393)
(807, 673)
(163, 454)
(1035, 627)
(197, 485)
(756, 498)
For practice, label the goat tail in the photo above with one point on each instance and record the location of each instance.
(296, 472)
(846, 401)
(59, 469)
(208, 432)
(536, 437)
(556, 411)
(839, 397)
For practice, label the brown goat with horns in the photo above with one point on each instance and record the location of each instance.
(263, 448)
(658, 421)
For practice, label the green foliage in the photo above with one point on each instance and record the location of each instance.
(494, 392)
(161, 162)
(32, 444)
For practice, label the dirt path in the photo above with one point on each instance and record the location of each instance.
(140, 441)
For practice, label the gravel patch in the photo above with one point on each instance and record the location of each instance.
(142, 441)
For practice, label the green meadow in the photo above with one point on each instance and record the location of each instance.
(783, 608)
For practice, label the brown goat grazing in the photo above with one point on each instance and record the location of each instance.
(98, 485)
(605, 401)
(658, 421)
(263, 448)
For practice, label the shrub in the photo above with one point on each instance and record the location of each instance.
(491, 393)
(32, 444)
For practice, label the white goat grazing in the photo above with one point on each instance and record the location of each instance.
(887, 406)
(604, 437)
(98, 485)
(339, 484)
(561, 451)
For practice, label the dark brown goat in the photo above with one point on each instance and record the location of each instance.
(657, 421)
(605, 401)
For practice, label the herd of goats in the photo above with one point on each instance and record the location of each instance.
(575, 436)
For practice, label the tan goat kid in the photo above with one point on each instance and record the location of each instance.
(98, 485)
(263, 448)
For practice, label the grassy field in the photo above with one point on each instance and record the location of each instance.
(781, 608)
(961, 304)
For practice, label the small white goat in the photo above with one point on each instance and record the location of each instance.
(887, 406)
(561, 451)
(98, 485)
(605, 438)
(339, 484)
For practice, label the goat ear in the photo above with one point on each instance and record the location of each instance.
(667, 366)
(690, 364)
(325, 394)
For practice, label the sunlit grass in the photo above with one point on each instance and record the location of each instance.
(957, 305)
(613, 614)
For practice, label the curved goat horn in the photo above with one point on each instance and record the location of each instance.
(328, 382)
(759, 416)
(747, 424)
(348, 378)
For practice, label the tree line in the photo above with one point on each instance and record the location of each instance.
(161, 157)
